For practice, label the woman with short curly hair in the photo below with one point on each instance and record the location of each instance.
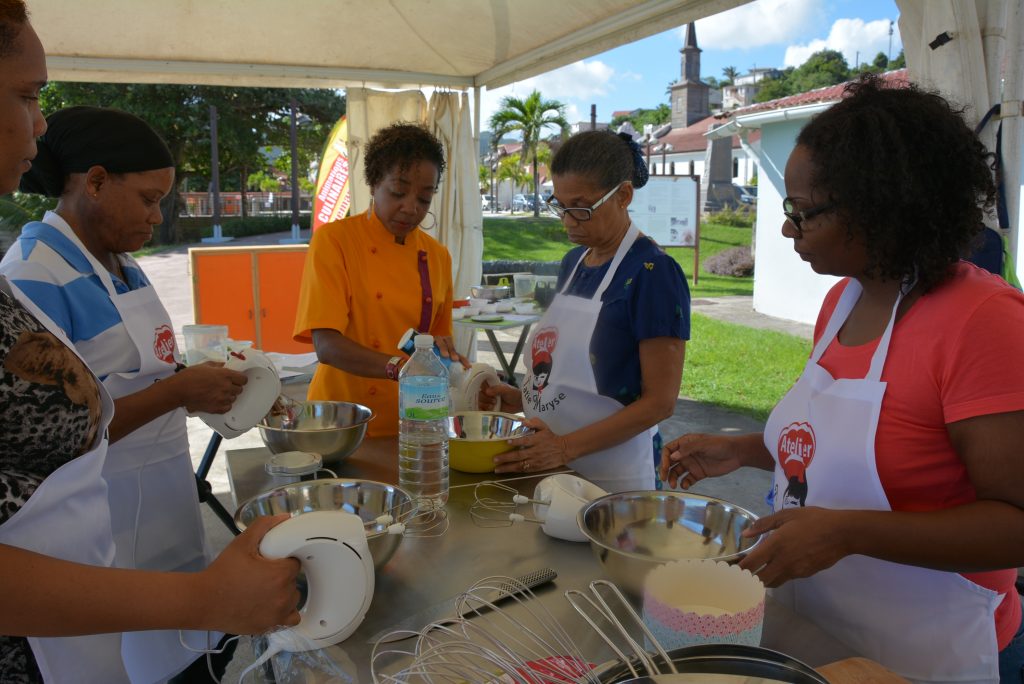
(898, 502)
(371, 277)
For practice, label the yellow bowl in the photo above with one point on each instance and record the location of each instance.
(476, 437)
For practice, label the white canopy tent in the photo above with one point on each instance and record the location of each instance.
(470, 44)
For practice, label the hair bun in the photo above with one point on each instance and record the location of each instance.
(46, 177)
(640, 172)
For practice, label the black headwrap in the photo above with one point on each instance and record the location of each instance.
(640, 172)
(78, 138)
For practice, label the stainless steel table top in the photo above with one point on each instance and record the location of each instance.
(425, 571)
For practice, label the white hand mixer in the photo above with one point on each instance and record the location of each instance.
(258, 395)
(556, 500)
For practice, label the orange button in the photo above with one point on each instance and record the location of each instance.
(373, 250)
(423, 257)
(376, 344)
(380, 295)
(428, 299)
(372, 390)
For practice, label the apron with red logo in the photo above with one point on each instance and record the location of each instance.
(560, 387)
(926, 625)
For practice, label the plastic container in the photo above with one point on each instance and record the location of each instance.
(293, 466)
(205, 343)
(524, 284)
(423, 407)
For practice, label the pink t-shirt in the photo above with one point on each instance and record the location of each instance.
(958, 353)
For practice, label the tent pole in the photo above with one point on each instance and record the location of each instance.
(476, 123)
(1013, 129)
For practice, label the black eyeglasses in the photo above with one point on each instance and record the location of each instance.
(579, 213)
(798, 217)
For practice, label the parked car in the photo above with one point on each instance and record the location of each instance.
(748, 194)
(522, 202)
(488, 203)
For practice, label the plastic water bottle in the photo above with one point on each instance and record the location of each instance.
(423, 426)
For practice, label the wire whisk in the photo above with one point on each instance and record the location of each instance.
(496, 504)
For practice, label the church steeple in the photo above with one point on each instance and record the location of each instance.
(690, 70)
(689, 94)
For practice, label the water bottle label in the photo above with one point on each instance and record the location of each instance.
(424, 401)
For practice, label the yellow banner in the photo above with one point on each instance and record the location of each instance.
(333, 195)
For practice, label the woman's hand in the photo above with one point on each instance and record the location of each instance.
(800, 542)
(247, 593)
(695, 456)
(446, 345)
(542, 450)
(208, 387)
(511, 398)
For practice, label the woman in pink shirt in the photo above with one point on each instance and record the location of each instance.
(899, 477)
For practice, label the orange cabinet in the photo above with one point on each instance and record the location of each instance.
(252, 290)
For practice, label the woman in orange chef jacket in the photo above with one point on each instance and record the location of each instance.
(369, 278)
(898, 497)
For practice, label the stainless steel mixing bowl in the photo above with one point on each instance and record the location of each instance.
(490, 292)
(333, 429)
(631, 533)
(365, 498)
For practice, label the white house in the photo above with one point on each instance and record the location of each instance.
(784, 286)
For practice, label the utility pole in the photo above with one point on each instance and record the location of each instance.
(593, 117)
(889, 54)
(296, 235)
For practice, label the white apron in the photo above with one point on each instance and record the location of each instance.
(926, 625)
(566, 399)
(154, 502)
(68, 518)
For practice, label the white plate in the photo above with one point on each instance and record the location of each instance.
(488, 318)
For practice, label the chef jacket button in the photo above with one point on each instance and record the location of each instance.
(372, 390)
(373, 250)
(376, 344)
(428, 299)
(380, 295)
(423, 257)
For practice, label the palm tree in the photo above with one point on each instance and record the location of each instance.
(511, 169)
(529, 116)
(731, 72)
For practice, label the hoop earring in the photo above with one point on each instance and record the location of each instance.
(433, 221)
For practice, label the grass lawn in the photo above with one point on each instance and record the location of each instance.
(740, 368)
(543, 239)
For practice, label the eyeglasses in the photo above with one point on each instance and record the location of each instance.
(798, 217)
(579, 213)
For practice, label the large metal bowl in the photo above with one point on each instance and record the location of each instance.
(333, 429)
(631, 533)
(490, 292)
(365, 498)
(476, 437)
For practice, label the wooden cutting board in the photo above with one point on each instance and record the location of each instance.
(859, 671)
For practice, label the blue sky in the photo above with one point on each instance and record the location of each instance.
(764, 33)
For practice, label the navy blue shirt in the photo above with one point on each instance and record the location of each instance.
(647, 298)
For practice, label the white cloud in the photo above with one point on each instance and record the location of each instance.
(756, 24)
(850, 37)
(581, 80)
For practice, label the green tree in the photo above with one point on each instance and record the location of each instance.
(529, 116)
(730, 73)
(511, 169)
(247, 119)
(881, 62)
(774, 88)
(658, 116)
(713, 82)
(263, 181)
(899, 63)
(823, 68)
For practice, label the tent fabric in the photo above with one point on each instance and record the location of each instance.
(459, 225)
(341, 43)
(368, 111)
(971, 52)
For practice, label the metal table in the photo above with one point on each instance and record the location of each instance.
(510, 321)
(425, 571)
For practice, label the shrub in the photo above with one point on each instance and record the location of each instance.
(740, 217)
(193, 229)
(736, 261)
(510, 266)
